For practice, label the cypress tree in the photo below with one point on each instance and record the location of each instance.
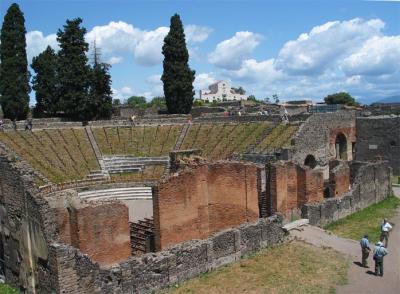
(177, 76)
(100, 92)
(73, 70)
(45, 83)
(14, 75)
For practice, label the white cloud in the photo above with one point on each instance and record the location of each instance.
(377, 56)
(197, 34)
(314, 52)
(148, 49)
(114, 60)
(253, 71)
(122, 93)
(36, 43)
(203, 80)
(154, 79)
(229, 53)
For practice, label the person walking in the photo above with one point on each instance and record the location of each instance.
(379, 252)
(385, 229)
(364, 242)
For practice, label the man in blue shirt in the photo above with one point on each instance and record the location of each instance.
(379, 253)
(365, 250)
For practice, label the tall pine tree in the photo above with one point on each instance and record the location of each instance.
(73, 70)
(14, 75)
(177, 76)
(100, 89)
(45, 83)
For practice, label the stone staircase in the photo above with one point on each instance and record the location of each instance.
(97, 175)
(181, 137)
(125, 163)
(142, 236)
(131, 193)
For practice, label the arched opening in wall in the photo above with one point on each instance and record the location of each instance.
(310, 161)
(341, 146)
(393, 143)
(327, 192)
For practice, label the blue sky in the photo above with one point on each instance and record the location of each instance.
(296, 49)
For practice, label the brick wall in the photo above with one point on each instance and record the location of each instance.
(100, 230)
(205, 199)
(290, 186)
(339, 178)
(371, 184)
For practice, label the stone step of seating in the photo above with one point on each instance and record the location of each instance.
(124, 165)
(131, 193)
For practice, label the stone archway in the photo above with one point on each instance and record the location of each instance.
(310, 161)
(341, 146)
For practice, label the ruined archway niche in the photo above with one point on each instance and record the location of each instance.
(341, 146)
(310, 161)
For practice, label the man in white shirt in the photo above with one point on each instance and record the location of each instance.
(385, 229)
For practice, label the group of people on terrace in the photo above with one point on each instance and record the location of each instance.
(380, 248)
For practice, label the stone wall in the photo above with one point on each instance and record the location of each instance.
(370, 184)
(154, 271)
(205, 199)
(25, 230)
(339, 178)
(318, 134)
(379, 138)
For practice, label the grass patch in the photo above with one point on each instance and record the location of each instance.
(5, 289)
(289, 268)
(366, 221)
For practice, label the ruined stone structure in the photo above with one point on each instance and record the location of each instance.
(379, 138)
(81, 208)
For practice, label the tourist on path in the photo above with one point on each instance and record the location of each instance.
(385, 229)
(379, 252)
(365, 250)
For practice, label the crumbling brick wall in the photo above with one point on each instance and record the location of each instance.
(99, 229)
(339, 178)
(205, 199)
(371, 184)
(290, 186)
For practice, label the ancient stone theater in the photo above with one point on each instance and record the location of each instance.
(117, 207)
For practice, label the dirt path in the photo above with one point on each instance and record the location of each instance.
(361, 280)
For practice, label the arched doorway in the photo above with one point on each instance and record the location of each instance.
(310, 161)
(341, 146)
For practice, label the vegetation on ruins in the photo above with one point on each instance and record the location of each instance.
(137, 102)
(177, 76)
(45, 83)
(366, 221)
(341, 98)
(288, 268)
(14, 82)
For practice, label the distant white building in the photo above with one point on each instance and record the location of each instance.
(221, 91)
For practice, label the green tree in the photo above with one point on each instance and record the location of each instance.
(100, 101)
(275, 98)
(252, 98)
(45, 83)
(14, 81)
(158, 102)
(239, 90)
(137, 102)
(74, 71)
(341, 98)
(177, 76)
(116, 102)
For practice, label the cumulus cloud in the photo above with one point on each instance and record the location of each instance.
(253, 71)
(114, 60)
(122, 93)
(377, 56)
(203, 80)
(314, 52)
(229, 53)
(36, 43)
(197, 34)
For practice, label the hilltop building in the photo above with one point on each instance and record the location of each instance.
(221, 91)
